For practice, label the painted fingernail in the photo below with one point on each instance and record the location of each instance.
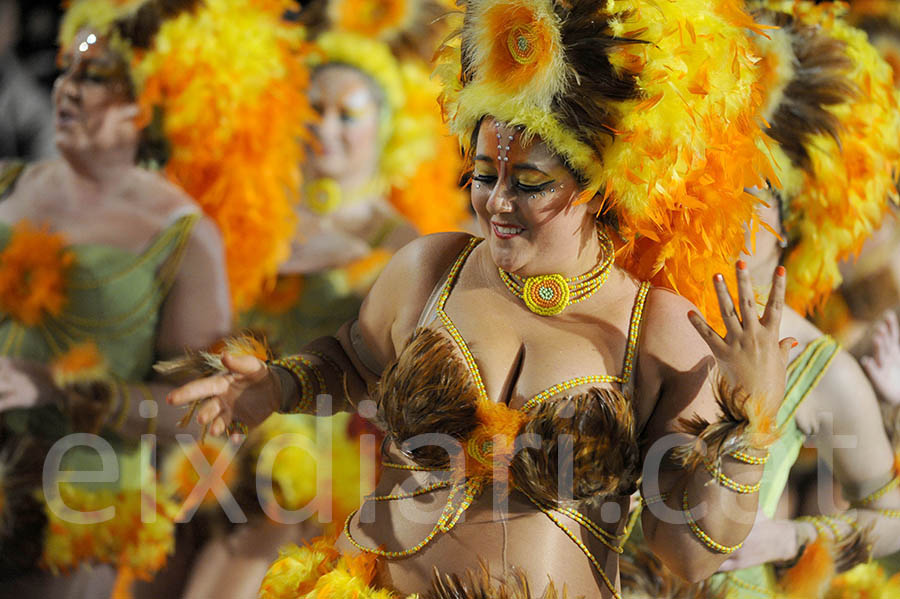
(692, 314)
(719, 278)
(779, 271)
(742, 265)
(794, 344)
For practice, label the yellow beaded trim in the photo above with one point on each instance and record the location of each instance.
(698, 532)
(337, 370)
(584, 549)
(381, 552)
(570, 384)
(411, 467)
(848, 519)
(746, 458)
(409, 494)
(747, 586)
(448, 323)
(824, 523)
(873, 497)
(730, 483)
(655, 499)
(297, 366)
(889, 512)
(548, 295)
(598, 533)
(633, 332)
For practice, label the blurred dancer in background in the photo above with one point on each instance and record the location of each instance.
(107, 265)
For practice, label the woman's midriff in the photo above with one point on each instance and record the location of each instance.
(517, 535)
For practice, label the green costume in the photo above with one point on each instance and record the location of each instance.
(112, 297)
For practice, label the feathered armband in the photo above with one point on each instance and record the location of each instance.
(747, 423)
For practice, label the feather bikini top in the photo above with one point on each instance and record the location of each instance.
(589, 438)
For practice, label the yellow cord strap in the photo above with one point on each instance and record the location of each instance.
(700, 534)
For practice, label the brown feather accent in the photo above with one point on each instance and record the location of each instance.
(644, 576)
(22, 517)
(203, 363)
(595, 84)
(427, 390)
(820, 80)
(480, 585)
(854, 549)
(586, 108)
(595, 433)
(140, 27)
(743, 424)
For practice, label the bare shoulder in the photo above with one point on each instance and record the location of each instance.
(391, 310)
(416, 269)
(667, 335)
(160, 196)
(673, 364)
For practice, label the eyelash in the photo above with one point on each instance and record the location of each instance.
(490, 179)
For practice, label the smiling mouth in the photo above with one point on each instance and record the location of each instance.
(506, 231)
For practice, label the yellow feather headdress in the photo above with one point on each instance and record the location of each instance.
(412, 28)
(881, 20)
(835, 119)
(228, 78)
(652, 103)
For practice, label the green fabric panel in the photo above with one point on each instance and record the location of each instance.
(113, 298)
(803, 375)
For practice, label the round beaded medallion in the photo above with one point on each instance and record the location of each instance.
(546, 294)
(521, 44)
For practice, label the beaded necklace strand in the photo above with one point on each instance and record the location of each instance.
(548, 295)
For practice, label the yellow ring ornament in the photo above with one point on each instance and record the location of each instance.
(546, 295)
(323, 195)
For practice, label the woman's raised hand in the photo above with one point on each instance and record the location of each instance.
(883, 367)
(750, 356)
(248, 393)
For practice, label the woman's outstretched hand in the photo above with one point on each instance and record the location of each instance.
(750, 356)
(883, 367)
(248, 393)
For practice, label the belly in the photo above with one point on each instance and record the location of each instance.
(518, 540)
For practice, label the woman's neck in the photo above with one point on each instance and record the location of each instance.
(97, 174)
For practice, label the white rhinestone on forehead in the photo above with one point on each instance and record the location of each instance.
(502, 150)
(90, 40)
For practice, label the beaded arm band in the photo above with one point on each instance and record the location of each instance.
(300, 368)
(746, 422)
(873, 497)
(700, 534)
(730, 483)
(746, 458)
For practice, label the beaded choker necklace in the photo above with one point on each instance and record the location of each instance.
(549, 295)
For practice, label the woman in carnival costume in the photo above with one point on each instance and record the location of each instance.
(568, 110)
(106, 266)
(834, 131)
(380, 169)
